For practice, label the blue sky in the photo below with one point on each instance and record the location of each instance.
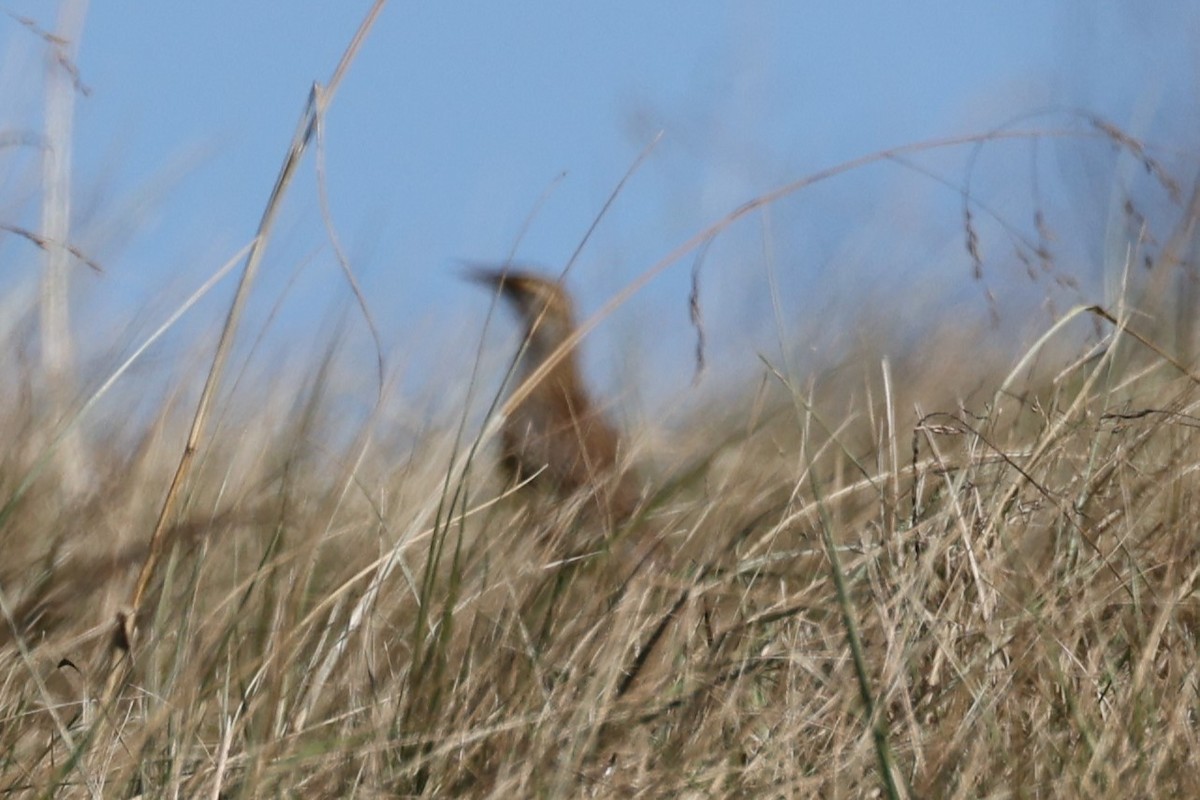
(457, 118)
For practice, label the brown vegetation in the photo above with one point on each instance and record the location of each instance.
(1018, 569)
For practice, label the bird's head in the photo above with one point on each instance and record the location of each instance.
(543, 306)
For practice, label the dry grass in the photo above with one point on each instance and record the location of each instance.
(1019, 570)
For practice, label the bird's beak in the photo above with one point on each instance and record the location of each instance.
(486, 276)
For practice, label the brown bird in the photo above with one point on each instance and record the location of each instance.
(556, 432)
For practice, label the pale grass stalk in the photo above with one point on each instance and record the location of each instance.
(222, 757)
(56, 348)
(892, 448)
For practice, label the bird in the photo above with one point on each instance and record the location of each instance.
(555, 435)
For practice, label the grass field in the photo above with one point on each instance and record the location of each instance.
(993, 598)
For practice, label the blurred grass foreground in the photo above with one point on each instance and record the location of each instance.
(950, 568)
